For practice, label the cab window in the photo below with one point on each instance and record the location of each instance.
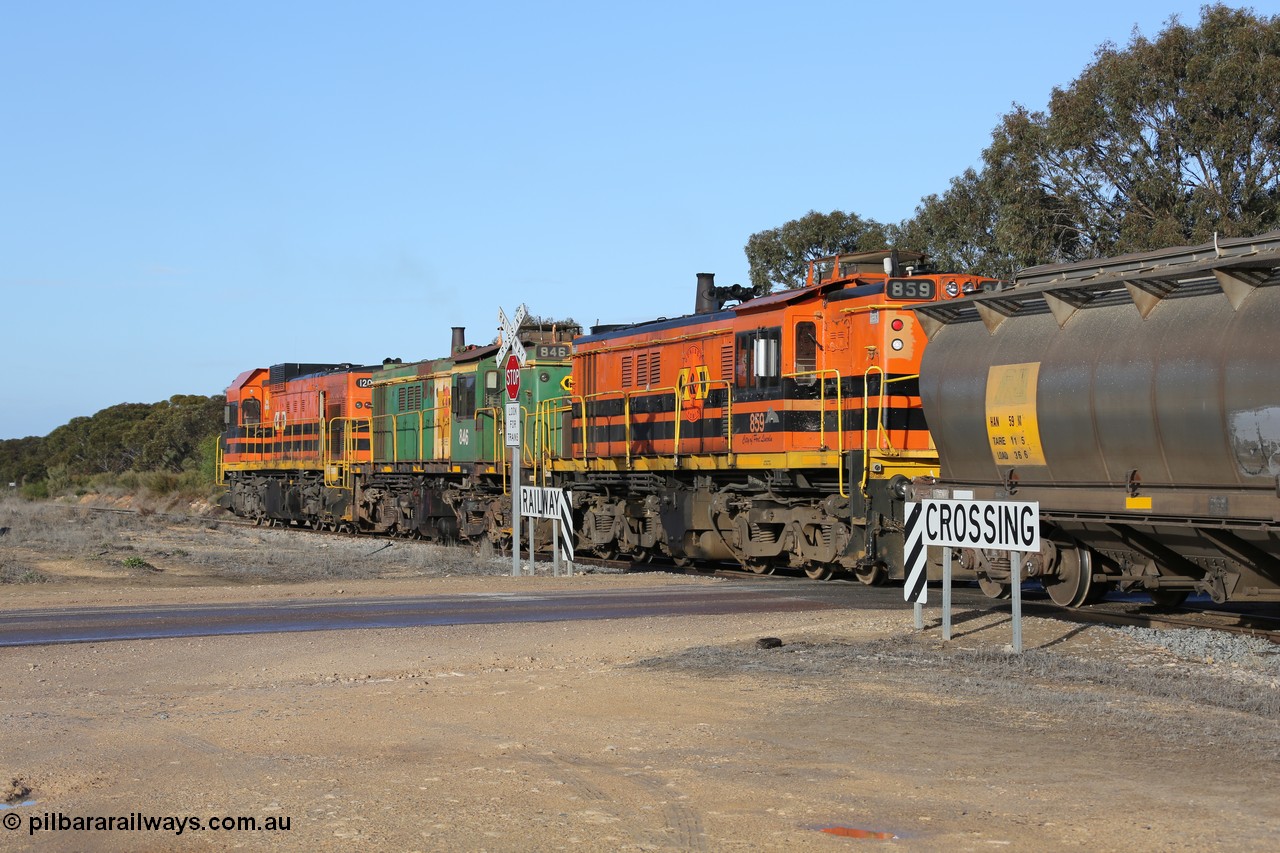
(806, 353)
(464, 397)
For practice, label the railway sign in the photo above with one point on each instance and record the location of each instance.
(994, 525)
(1012, 526)
(513, 376)
(539, 502)
(513, 424)
(509, 333)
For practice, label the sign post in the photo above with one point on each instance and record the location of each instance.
(946, 594)
(511, 354)
(1012, 526)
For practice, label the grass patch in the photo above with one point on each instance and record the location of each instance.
(16, 574)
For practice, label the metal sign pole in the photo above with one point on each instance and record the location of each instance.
(919, 616)
(555, 548)
(533, 529)
(1015, 578)
(515, 511)
(946, 594)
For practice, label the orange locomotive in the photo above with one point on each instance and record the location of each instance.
(781, 432)
(292, 434)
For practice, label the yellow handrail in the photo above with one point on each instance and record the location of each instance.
(492, 412)
(822, 421)
(547, 417)
(571, 400)
(866, 410)
(626, 416)
(728, 405)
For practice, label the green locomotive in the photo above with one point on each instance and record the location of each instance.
(439, 467)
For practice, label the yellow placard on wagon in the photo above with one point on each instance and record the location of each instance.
(1012, 428)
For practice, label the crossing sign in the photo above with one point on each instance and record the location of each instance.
(1011, 526)
(509, 333)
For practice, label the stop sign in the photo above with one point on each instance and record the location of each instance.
(513, 376)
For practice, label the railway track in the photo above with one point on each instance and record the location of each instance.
(1243, 623)
(1241, 620)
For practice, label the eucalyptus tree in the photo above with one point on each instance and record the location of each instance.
(779, 257)
(1164, 142)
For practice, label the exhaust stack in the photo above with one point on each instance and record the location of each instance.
(711, 298)
(708, 302)
(459, 339)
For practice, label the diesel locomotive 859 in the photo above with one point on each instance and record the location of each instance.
(778, 433)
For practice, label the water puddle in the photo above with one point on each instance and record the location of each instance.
(4, 806)
(850, 832)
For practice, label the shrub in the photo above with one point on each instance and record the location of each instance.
(37, 491)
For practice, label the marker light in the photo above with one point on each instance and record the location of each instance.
(896, 325)
(896, 343)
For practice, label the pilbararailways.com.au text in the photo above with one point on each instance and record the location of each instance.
(138, 822)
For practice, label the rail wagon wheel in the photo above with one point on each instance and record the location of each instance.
(819, 572)
(1168, 599)
(1071, 583)
(759, 567)
(871, 574)
(993, 588)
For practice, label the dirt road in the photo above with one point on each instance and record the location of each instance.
(652, 734)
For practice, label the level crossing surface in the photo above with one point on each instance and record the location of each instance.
(135, 622)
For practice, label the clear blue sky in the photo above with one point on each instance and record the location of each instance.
(192, 189)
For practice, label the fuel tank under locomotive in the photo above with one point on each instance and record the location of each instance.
(1137, 400)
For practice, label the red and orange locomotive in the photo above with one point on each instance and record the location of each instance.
(780, 432)
(293, 432)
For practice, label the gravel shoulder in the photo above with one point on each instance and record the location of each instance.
(645, 734)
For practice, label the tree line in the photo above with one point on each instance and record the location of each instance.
(173, 441)
(1162, 143)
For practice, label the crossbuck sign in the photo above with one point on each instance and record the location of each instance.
(509, 333)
